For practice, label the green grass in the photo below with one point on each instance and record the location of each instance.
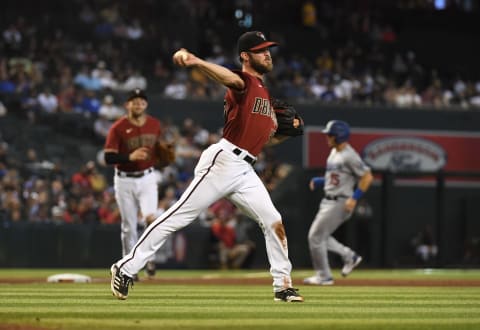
(162, 306)
(417, 274)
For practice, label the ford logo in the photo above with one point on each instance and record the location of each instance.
(401, 154)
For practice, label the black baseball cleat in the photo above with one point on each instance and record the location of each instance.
(119, 283)
(288, 295)
(150, 269)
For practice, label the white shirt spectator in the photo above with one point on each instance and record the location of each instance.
(407, 97)
(134, 31)
(48, 102)
(475, 101)
(101, 126)
(109, 110)
(12, 36)
(459, 86)
(176, 90)
(317, 87)
(104, 75)
(136, 80)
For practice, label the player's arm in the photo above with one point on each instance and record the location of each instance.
(316, 182)
(113, 157)
(218, 73)
(362, 186)
(276, 139)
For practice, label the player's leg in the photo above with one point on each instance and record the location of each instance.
(350, 258)
(341, 215)
(336, 247)
(147, 192)
(206, 187)
(128, 207)
(252, 198)
(326, 221)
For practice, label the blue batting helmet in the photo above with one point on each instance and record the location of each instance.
(339, 129)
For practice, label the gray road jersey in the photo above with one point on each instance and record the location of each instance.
(344, 168)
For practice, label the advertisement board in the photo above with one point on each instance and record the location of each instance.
(399, 150)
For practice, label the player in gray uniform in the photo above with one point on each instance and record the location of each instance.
(345, 170)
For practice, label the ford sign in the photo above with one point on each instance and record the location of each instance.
(401, 154)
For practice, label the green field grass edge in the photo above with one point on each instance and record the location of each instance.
(391, 274)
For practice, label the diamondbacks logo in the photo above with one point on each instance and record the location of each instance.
(261, 35)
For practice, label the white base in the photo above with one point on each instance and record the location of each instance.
(69, 278)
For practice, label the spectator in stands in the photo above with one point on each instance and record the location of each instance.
(176, 89)
(13, 40)
(108, 212)
(134, 80)
(66, 98)
(90, 104)
(231, 253)
(329, 95)
(47, 101)
(168, 199)
(37, 202)
(134, 30)
(309, 14)
(81, 180)
(10, 201)
(7, 86)
(104, 75)
(109, 109)
(101, 126)
(87, 209)
(426, 249)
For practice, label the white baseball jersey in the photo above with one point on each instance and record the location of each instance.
(343, 170)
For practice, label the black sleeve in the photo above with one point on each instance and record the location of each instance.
(116, 158)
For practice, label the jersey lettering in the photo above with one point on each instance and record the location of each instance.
(144, 140)
(262, 106)
(334, 179)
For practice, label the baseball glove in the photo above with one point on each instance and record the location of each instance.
(286, 114)
(164, 154)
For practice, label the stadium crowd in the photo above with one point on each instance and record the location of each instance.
(80, 57)
(60, 57)
(39, 190)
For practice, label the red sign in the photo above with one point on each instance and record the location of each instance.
(419, 150)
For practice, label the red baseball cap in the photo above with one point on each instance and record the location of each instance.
(252, 41)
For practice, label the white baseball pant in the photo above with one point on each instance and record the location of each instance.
(135, 197)
(219, 173)
(330, 216)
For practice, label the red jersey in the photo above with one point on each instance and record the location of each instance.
(124, 137)
(250, 120)
(224, 233)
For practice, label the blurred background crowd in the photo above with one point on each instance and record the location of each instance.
(62, 56)
(78, 58)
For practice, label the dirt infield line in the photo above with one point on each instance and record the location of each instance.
(267, 281)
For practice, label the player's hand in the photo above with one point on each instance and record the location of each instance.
(311, 185)
(350, 204)
(296, 122)
(184, 58)
(142, 153)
